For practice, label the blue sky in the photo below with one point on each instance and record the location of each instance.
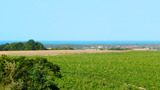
(80, 20)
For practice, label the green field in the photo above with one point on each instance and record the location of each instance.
(116, 70)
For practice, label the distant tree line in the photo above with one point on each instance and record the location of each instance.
(120, 48)
(63, 48)
(30, 45)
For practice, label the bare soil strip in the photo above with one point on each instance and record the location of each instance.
(51, 52)
(141, 88)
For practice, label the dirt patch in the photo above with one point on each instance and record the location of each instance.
(140, 88)
(51, 52)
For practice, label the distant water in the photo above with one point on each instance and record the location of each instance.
(89, 42)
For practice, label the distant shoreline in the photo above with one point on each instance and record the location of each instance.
(88, 42)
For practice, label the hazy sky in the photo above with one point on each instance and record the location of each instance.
(80, 19)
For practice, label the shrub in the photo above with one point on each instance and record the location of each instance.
(120, 48)
(63, 48)
(25, 73)
(54, 48)
(101, 49)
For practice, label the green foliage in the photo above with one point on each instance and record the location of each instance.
(120, 48)
(63, 48)
(54, 48)
(109, 71)
(70, 48)
(101, 49)
(28, 73)
(30, 45)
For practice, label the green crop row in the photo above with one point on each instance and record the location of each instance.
(104, 71)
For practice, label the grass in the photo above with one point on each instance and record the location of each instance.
(115, 70)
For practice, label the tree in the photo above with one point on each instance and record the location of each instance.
(63, 48)
(30, 45)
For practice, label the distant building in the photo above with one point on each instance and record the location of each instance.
(92, 47)
(100, 46)
(142, 49)
(49, 48)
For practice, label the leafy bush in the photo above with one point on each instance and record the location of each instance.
(25, 73)
(63, 48)
(120, 48)
(101, 49)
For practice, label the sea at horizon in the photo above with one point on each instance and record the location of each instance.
(88, 42)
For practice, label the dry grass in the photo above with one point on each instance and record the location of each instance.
(51, 52)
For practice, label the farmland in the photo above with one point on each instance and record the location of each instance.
(113, 70)
(51, 52)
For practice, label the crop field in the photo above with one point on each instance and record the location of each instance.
(115, 70)
(132, 70)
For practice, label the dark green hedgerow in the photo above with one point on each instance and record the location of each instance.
(25, 73)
